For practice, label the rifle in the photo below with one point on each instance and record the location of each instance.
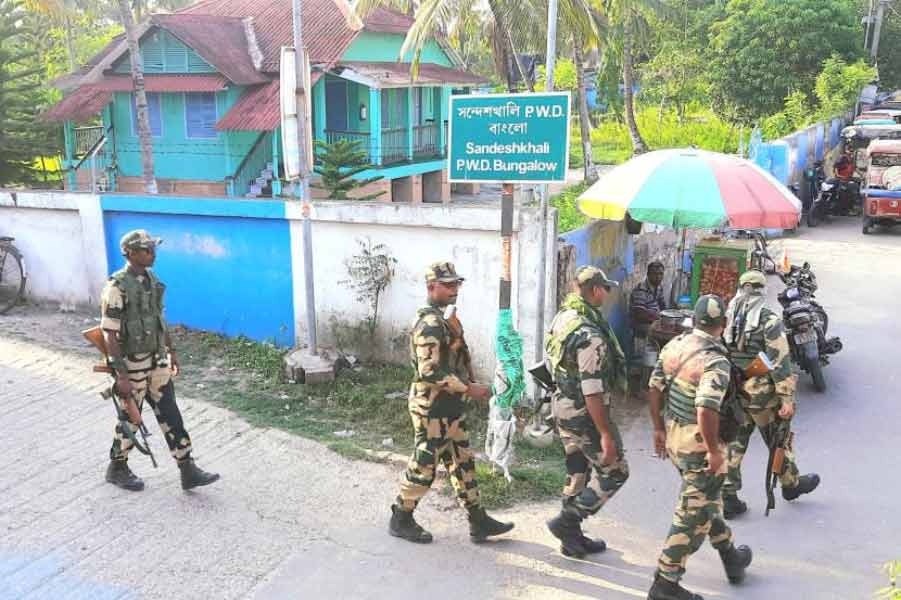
(545, 381)
(129, 413)
(778, 436)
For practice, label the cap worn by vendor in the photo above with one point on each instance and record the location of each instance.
(595, 276)
(443, 271)
(709, 310)
(138, 239)
(752, 277)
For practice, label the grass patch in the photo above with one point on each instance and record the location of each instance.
(246, 377)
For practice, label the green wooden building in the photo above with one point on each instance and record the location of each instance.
(211, 73)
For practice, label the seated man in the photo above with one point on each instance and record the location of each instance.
(645, 305)
(844, 167)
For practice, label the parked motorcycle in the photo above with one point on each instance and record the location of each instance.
(814, 176)
(836, 197)
(806, 324)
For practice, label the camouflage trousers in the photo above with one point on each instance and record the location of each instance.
(699, 510)
(157, 388)
(583, 455)
(445, 440)
(738, 448)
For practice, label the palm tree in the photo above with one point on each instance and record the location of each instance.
(137, 77)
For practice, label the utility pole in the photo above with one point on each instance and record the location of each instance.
(543, 189)
(302, 185)
(877, 29)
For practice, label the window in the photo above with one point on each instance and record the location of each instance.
(200, 114)
(156, 118)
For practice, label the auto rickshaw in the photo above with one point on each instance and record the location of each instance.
(857, 138)
(882, 196)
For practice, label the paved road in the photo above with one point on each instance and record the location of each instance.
(290, 519)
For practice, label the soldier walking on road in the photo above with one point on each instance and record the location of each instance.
(689, 387)
(769, 399)
(143, 358)
(442, 380)
(588, 366)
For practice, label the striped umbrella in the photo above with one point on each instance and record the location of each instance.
(692, 188)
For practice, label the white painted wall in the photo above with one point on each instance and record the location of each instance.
(60, 235)
(416, 237)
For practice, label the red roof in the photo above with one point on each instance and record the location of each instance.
(382, 20)
(258, 108)
(221, 41)
(164, 83)
(80, 105)
(328, 27)
(398, 74)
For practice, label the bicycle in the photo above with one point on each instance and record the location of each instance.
(12, 274)
(760, 256)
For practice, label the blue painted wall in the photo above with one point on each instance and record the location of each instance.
(226, 263)
(385, 47)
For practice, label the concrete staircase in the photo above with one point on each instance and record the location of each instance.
(262, 185)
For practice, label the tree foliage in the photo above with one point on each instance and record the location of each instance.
(23, 137)
(339, 163)
(764, 49)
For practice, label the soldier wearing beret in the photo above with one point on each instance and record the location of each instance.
(588, 365)
(442, 381)
(143, 358)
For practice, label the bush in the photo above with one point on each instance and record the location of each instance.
(568, 215)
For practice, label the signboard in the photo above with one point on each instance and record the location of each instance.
(512, 138)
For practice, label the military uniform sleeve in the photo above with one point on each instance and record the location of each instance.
(778, 352)
(714, 384)
(428, 337)
(591, 356)
(112, 307)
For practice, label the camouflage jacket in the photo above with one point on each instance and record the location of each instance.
(585, 359)
(133, 306)
(770, 390)
(441, 366)
(700, 371)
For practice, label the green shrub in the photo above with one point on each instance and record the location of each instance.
(568, 215)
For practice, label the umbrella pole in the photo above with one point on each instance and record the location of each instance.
(680, 257)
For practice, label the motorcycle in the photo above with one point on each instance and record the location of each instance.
(814, 176)
(836, 197)
(806, 324)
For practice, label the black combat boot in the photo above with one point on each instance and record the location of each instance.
(806, 484)
(664, 589)
(120, 475)
(403, 525)
(735, 561)
(193, 476)
(481, 526)
(732, 507)
(567, 528)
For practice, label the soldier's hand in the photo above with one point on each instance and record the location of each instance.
(478, 392)
(660, 442)
(123, 386)
(787, 411)
(715, 460)
(608, 447)
(173, 364)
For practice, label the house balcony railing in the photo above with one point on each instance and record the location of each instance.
(86, 138)
(394, 145)
(335, 135)
(425, 141)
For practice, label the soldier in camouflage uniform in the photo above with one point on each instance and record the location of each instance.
(143, 358)
(688, 388)
(752, 328)
(588, 366)
(442, 380)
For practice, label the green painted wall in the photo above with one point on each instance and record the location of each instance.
(175, 155)
(385, 47)
(163, 53)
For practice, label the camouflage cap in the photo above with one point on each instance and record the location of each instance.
(138, 238)
(752, 277)
(443, 271)
(594, 276)
(710, 310)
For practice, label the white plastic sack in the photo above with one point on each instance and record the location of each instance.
(501, 430)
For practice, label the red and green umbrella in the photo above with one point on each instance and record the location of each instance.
(692, 188)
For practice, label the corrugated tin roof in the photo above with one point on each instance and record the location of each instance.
(80, 105)
(328, 27)
(398, 74)
(382, 20)
(164, 83)
(258, 108)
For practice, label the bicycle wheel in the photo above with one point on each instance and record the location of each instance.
(12, 277)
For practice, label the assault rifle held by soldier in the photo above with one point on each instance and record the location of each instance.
(126, 409)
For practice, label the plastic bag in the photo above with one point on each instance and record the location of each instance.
(501, 430)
